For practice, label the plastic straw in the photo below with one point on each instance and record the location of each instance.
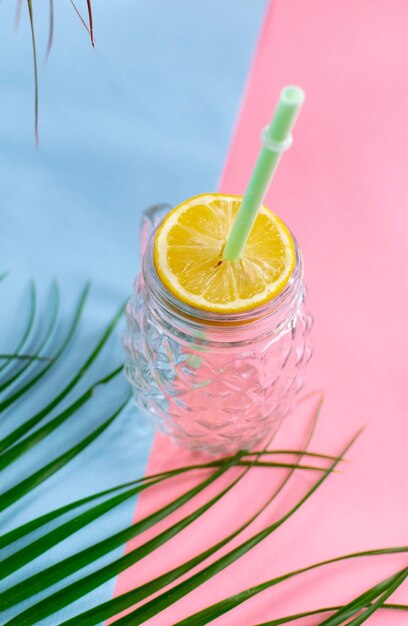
(276, 138)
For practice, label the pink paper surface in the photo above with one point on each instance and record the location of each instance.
(342, 190)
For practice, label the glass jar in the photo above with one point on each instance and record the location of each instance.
(214, 382)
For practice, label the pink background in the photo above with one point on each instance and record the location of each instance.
(342, 190)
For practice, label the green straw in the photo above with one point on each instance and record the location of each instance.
(276, 138)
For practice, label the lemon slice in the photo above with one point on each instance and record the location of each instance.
(188, 256)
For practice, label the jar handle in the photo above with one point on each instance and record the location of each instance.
(151, 217)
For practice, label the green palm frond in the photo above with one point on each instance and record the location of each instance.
(327, 609)
(51, 575)
(16, 492)
(19, 432)
(161, 602)
(46, 542)
(89, 28)
(84, 24)
(149, 480)
(12, 398)
(22, 357)
(377, 594)
(29, 325)
(29, 527)
(208, 614)
(52, 323)
(30, 11)
(12, 454)
(50, 30)
(116, 605)
(89, 6)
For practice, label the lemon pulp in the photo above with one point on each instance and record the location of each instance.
(188, 256)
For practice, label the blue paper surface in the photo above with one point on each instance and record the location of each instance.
(146, 118)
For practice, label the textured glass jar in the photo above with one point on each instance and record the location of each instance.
(214, 382)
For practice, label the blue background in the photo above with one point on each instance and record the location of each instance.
(146, 118)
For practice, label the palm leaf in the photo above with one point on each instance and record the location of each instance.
(22, 357)
(310, 468)
(16, 492)
(328, 609)
(385, 588)
(21, 591)
(88, 2)
(13, 453)
(360, 602)
(47, 336)
(5, 404)
(161, 602)
(316, 455)
(53, 574)
(28, 527)
(28, 553)
(208, 614)
(48, 541)
(52, 538)
(398, 579)
(50, 30)
(39, 546)
(30, 322)
(44, 543)
(112, 607)
(80, 16)
(29, 424)
(30, 10)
